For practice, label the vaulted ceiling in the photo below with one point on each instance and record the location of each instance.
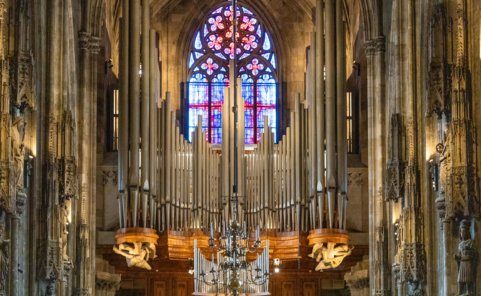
(166, 5)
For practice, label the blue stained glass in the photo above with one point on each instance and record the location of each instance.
(209, 67)
(220, 55)
(259, 31)
(217, 94)
(198, 42)
(191, 60)
(267, 43)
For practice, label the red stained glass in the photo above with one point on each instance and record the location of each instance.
(211, 51)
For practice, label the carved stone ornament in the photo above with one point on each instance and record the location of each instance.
(68, 184)
(49, 266)
(329, 255)
(24, 93)
(412, 263)
(356, 177)
(4, 260)
(109, 177)
(375, 45)
(107, 283)
(137, 254)
(7, 188)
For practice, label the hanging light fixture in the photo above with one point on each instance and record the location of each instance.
(231, 273)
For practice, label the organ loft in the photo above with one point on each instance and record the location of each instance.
(240, 147)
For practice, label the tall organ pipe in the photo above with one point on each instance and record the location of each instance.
(320, 123)
(145, 114)
(153, 79)
(331, 107)
(123, 116)
(341, 115)
(134, 81)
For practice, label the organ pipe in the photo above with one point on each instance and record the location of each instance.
(284, 186)
(134, 120)
(331, 174)
(320, 116)
(341, 115)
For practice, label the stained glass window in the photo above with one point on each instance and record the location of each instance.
(211, 51)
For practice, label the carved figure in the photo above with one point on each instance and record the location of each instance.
(18, 150)
(4, 260)
(138, 255)
(330, 255)
(466, 258)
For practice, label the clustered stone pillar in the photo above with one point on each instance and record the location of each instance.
(376, 119)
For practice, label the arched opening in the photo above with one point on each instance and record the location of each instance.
(208, 73)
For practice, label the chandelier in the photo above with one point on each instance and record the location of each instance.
(231, 273)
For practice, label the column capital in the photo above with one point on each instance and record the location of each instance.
(375, 45)
(95, 44)
(84, 40)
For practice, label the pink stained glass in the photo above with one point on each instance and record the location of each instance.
(211, 52)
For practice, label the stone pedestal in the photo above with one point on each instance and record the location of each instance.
(358, 278)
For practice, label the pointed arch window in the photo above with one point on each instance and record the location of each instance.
(208, 61)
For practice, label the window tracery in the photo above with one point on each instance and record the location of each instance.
(211, 52)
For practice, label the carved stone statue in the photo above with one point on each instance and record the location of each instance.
(138, 255)
(4, 260)
(18, 151)
(330, 255)
(466, 258)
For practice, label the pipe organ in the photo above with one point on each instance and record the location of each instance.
(176, 188)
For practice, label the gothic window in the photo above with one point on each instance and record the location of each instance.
(352, 124)
(208, 61)
(113, 120)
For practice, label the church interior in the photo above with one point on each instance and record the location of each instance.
(240, 147)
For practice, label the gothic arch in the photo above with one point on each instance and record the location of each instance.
(187, 33)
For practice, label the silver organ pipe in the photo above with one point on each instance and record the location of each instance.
(298, 184)
(137, 112)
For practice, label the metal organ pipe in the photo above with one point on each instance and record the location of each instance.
(134, 92)
(320, 115)
(145, 114)
(331, 174)
(123, 117)
(341, 115)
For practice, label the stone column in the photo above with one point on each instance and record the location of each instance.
(378, 265)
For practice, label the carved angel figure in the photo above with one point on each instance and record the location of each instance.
(329, 255)
(466, 258)
(138, 255)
